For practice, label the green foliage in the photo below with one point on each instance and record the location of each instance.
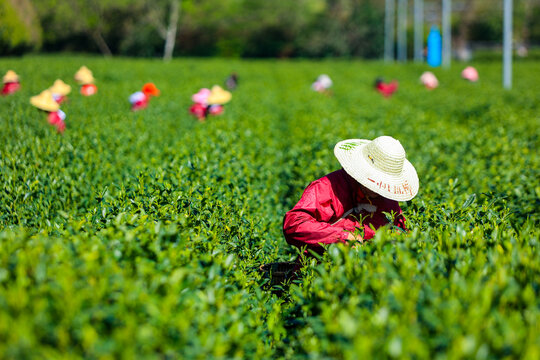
(19, 29)
(234, 28)
(260, 28)
(137, 235)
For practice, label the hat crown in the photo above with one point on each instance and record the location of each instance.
(10, 76)
(218, 96)
(84, 76)
(45, 101)
(61, 88)
(386, 154)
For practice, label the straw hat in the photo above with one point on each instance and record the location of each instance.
(218, 96)
(10, 76)
(470, 73)
(60, 88)
(380, 165)
(45, 101)
(84, 76)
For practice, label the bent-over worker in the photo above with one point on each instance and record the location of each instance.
(349, 204)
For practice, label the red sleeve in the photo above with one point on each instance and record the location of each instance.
(368, 232)
(310, 221)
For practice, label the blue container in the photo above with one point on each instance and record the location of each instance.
(434, 47)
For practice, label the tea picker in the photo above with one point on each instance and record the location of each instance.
(385, 89)
(322, 84)
(232, 81)
(11, 83)
(470, 73)
(209, 102)
(45, 102)
(429, 80)
(85, 78)
(140, 99)
(348, 205)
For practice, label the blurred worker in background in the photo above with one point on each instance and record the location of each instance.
(45, 102)
(323, 84)
(386, 89)
(429, 80)
(232, 81)
(85, 78)
(11, 83)
(139, 100)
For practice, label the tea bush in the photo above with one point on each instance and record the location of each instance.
(138, 234)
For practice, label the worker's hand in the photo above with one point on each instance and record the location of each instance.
(356, 239)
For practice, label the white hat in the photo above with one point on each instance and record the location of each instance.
(470, 73)
(379, 165)
(325, 81)
(136, 97)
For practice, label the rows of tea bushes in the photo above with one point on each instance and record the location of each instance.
(138, 234)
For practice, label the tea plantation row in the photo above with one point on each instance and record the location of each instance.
(138, 234)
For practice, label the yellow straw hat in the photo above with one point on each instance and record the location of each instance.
(218, 96)
(84, 76)
(380, 165)
(45, 101)
(10, 76)
(60, 88)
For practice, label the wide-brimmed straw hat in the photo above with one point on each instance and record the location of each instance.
(60, 88)
(84, 76)
(10, 76)
(45, 101)
(379, 165)
(218, 96)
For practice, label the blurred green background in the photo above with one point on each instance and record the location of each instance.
(244, 28)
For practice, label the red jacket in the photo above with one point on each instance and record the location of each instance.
(387, 89)
(311, 221)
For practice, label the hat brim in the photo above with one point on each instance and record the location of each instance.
(402, 187)
(44, 104)
(10, 79)
(219, 99)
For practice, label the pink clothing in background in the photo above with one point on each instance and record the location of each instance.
(470, 73)
(387, 89)
(310, 222)
(10, 88)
